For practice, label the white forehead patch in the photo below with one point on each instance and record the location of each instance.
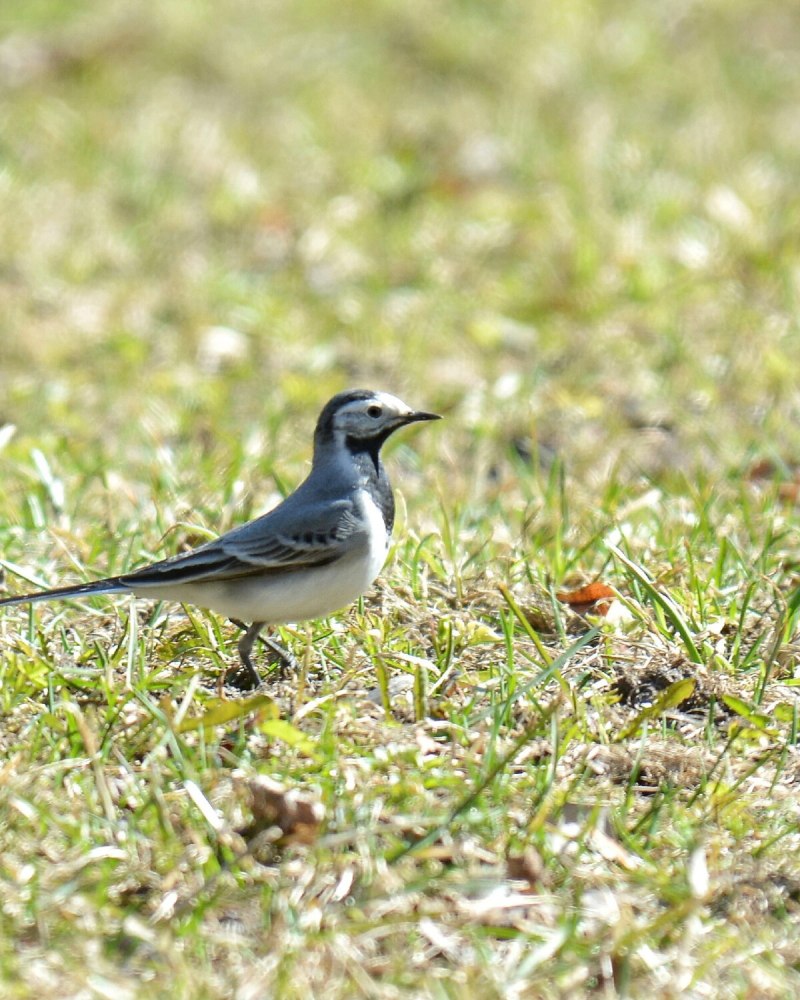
(385, 399)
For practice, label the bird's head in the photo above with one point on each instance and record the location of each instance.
(363, 419)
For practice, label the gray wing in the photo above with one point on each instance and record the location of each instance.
(304, 535)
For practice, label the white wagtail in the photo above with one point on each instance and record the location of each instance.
(316, 552)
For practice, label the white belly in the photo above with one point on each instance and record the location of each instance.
(295, 595)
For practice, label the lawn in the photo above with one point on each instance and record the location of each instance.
(572, 230)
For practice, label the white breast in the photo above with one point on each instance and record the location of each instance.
(378, 537)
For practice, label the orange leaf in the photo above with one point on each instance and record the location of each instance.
(595, 597)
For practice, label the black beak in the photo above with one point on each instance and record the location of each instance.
(412, 418)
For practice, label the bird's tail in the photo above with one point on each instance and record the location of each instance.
(112, 585)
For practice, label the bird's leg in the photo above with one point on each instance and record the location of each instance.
(286, 661)
(249, 673)
(247, 678)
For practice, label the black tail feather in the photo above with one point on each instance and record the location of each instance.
(112, 585)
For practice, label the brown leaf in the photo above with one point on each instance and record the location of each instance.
(295, 816)
(526, 867)
(786, 475)
(764, 468)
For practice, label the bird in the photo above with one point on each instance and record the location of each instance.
(319, 550)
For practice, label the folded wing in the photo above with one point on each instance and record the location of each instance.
(276, 542)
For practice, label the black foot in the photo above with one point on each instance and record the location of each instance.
(285, 660)
(247, 678)
(242, 679)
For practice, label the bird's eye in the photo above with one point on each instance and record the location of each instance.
(374, 411)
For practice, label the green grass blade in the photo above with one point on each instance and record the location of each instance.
(673, 613)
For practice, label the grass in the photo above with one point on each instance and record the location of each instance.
(571, 229)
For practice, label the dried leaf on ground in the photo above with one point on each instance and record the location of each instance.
(294, 816)
(595, 597)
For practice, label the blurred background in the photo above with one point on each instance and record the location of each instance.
(572, 227)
